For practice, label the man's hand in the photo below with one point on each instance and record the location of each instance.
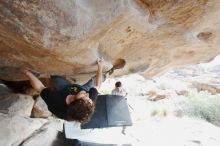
(27, 72)
(100, 62)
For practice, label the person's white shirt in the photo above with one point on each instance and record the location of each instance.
(121, 92)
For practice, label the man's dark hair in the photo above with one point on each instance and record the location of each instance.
(118, 84)
(80, 111)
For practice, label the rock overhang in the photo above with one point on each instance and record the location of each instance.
(66, 38)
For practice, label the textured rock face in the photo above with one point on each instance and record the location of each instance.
(40, 109)
(13, 104)
(66, 37)
(11, 134)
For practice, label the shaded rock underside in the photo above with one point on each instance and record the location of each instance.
(66, 37)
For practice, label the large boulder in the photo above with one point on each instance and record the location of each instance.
(4, 90)
(66, 37)
(48, 135)
(15, 129)
(16, 104)
(40, 109)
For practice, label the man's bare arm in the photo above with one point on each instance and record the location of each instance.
(99, 73)
(35, 82)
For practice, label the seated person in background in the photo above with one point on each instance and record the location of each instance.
(119, 90)
(68, 101)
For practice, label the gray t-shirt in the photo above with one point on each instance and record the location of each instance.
(120, 93)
